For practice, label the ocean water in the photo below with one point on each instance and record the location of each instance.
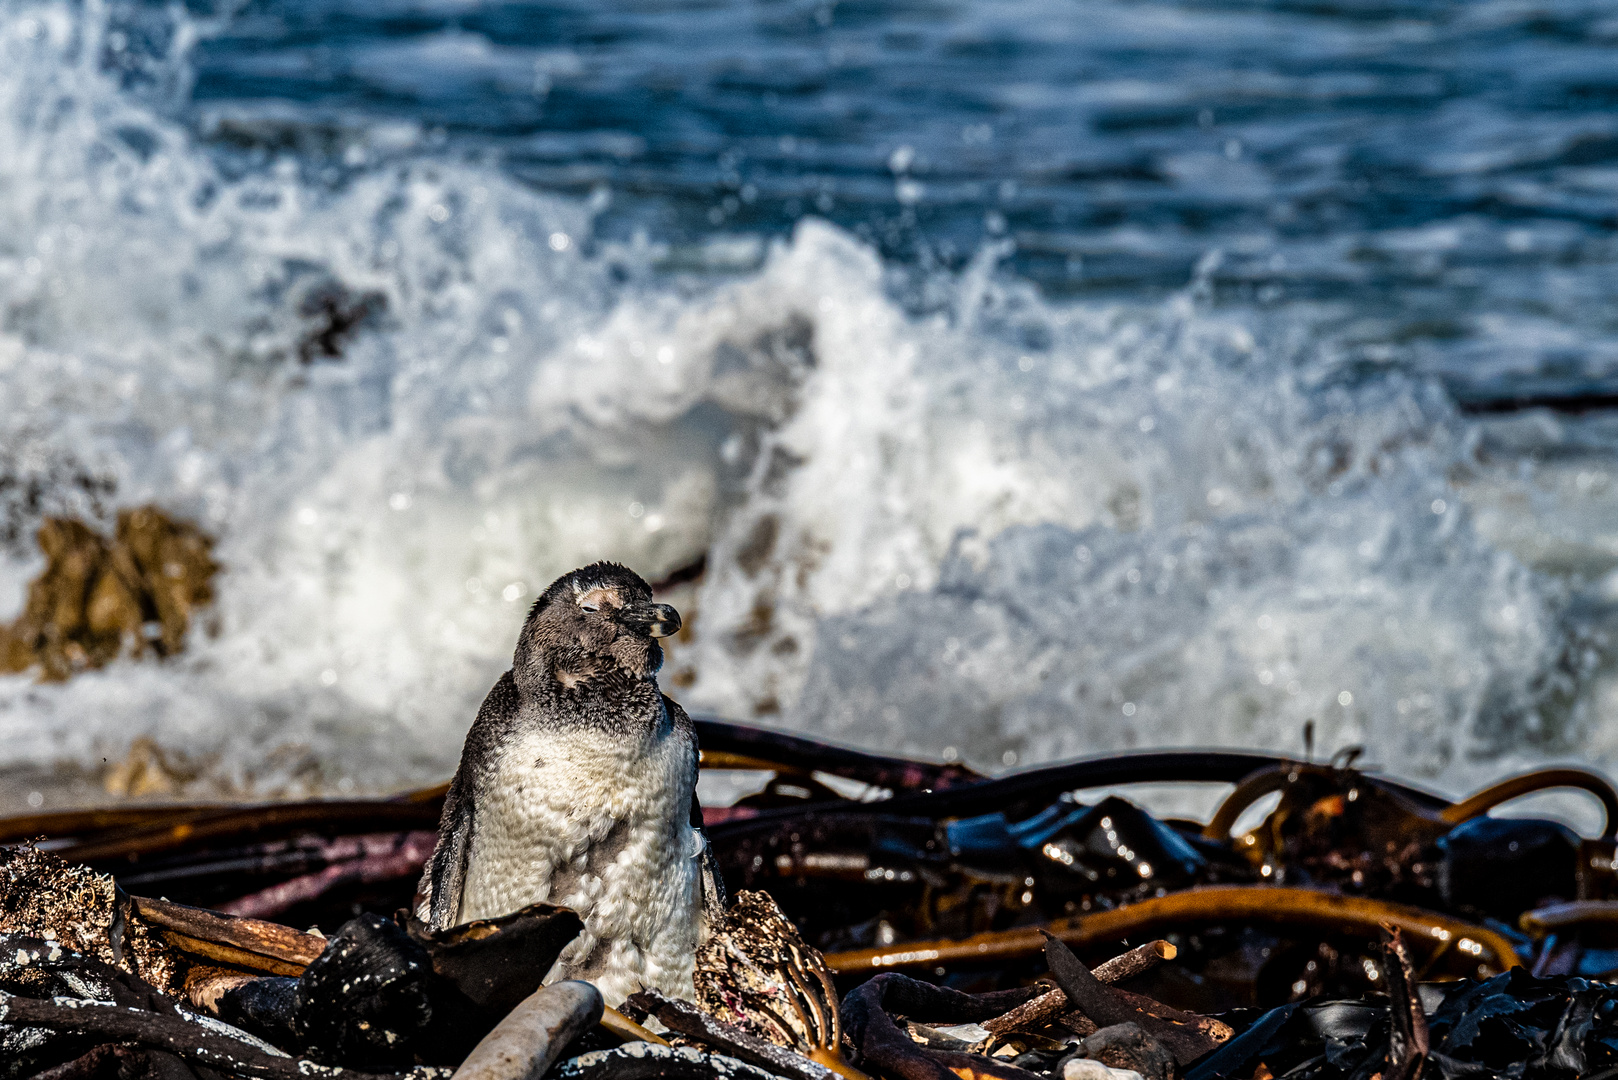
(1037, 378)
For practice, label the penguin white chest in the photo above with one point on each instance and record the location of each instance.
(581, 819)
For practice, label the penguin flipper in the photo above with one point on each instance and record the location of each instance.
(445, 876)
(713, 883)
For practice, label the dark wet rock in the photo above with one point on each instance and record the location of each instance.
(265, 1006)
(482, 970)
(334, 314)
(365, 999)
(42, 968)
(98, 599)
(1127, 1046)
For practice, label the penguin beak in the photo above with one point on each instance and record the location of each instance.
(653, 620)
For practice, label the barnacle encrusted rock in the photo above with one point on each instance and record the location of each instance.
(757, 972)
(98, 599)
(45, 897)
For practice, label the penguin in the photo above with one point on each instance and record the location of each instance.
(577, 786)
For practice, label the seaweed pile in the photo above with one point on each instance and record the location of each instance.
(892, 919)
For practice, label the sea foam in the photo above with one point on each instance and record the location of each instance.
(973, 519)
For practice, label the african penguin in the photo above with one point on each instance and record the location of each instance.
(577, 786)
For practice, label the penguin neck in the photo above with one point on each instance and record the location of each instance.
(594, 691)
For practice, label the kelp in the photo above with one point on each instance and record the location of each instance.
(892, 919)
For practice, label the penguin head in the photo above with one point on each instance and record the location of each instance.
(596, 621)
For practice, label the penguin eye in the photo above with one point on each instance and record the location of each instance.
(591, 607)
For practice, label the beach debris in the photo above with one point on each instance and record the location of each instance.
(98, 598)
(964, 915)
(60, 1009)
(534, 1034)
(1470, 948)
(43, 896)
(365, 998)
(1048, 1006)
(756, 973)
(1409, 1040)
(648, 1061)
(391, 991)
(1512, 1025)
(348, 861)
(208, 938)
(886, 1049)
(1186, 1036)
(729, 1039)
(1125, 1047)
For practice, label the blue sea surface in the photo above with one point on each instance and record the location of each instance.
(1442, 175)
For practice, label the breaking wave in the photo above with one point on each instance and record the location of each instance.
(963, 519)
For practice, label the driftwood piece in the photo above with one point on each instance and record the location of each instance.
(183, 1038)
(210, 936)
(884, 1048)
(1408, 1039)
(534, 1034)
(205, 986)
(1186, 1035)
(728, 1039)
(1047, 1007)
